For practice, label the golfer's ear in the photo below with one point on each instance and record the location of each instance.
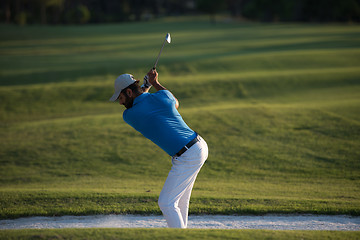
(129, 92)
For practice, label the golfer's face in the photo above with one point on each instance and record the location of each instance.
(125, 100)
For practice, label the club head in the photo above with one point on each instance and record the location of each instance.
(168, 38)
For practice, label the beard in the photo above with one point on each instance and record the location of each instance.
(128, 101)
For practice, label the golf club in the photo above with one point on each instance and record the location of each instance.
(167, 39)
(146, 78)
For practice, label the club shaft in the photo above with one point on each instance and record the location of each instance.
(157, 59)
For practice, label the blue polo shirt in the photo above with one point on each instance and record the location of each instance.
(154, 115)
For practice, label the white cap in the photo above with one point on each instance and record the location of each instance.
(122, 82)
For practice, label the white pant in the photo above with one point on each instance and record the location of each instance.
(175, 195)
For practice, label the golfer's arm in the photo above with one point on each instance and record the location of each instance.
(159, 87)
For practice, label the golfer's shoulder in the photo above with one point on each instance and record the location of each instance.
(163, 94)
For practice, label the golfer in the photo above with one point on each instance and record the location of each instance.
(156, 117)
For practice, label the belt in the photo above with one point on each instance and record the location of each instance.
(187, 146)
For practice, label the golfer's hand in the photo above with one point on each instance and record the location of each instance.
(153, 77)
(146, 82)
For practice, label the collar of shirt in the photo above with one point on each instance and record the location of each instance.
(140, 98)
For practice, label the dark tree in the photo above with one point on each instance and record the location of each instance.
(211, 7)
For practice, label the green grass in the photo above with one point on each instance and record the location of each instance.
(277, 104)
(173, 234)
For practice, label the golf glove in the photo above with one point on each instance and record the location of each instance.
(146, 84)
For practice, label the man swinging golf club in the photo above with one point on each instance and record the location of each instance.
(155, 116)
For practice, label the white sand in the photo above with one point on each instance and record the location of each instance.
(275, 222)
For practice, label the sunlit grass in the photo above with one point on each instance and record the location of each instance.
(277, 105)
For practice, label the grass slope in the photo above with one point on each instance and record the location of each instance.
(278, 105)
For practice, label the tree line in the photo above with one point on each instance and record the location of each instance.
(107, 11)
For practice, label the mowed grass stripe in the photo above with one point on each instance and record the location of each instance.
(87, 203)
(94, 92)
(147, 47)
(110, 34)
(303, 101)
(236, 64)
(239, 76)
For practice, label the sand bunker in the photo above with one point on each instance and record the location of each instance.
(273, 222)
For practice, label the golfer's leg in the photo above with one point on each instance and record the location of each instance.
(179, 184)
(169, 198)
(193, 168)
(185, 198)
(180, 179)
(184, 204)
